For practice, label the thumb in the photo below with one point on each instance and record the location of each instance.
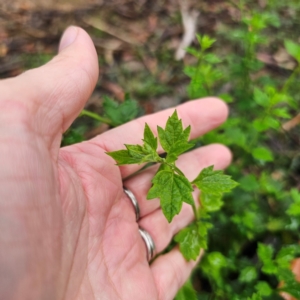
(54, 94)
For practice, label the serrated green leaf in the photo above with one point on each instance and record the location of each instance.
(262, 153)
(281, 113)
(255, 297)
(294, 208)
(212, 58)
(122, 157)
(173, 138)
(292, 288)
(263, 288)
(262, 124)
(136, 151)
(142, 154)
(205, 41)
(189, 242)
(248, 274)
(235, 136)
(226, 98)
(265, 253)
(210, 202)
(173, 190)
(120, 113)
(212, 264)
(203, 227)
(149, 137)
(295, 195)
(261, 98)
(193, 51)
(249, 183)
(293, 49)
(286, 254)
(214, 182)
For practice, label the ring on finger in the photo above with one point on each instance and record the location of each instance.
(150, 246)
(134, 202)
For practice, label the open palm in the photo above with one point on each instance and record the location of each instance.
(67, 230)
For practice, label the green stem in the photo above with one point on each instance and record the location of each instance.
(195, 211)
(96, 117)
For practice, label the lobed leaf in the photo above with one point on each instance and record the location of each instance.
(120, 113)
(123, 157)
(173, 190)
(262, 153)
(265, 253)
(189, 242)
(192, 239)
(173, 138)
(137, 154)
(211, 202)
(263, 288)
(149, 137)
(293, 49)
(214, 181)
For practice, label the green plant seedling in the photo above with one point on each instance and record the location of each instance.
(172, 187)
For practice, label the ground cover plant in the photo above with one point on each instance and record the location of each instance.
(259, 222)
(248, 54)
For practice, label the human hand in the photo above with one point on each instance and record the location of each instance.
(67, 230)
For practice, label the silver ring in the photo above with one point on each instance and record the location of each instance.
(134, 202)
(149, 243)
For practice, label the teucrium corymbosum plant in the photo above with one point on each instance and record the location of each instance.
(172, 187)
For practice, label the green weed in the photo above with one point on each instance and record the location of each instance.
(255, 236)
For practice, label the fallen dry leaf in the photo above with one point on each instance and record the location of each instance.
(97, 23)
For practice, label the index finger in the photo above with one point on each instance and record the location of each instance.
(203, 115)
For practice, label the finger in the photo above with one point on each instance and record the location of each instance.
(161, 230)
(50, 97)
(190, 164)
(203, 115)
(170, 271)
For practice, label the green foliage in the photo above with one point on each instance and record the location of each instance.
(257, 230)
(174, 140)
(172, 187)
(214, 182)
(115, 113)
(173, 190)
(203, 75)
(120, 113)
(190, 242)
(73, 135)
(293, 49)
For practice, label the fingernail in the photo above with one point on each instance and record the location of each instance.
(68, 37)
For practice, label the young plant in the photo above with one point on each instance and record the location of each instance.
(115, 113)
(204, 75)
(172, 187)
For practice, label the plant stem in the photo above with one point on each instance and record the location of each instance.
(95, 116)
(195, 211)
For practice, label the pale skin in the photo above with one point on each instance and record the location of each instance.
(67, 230)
